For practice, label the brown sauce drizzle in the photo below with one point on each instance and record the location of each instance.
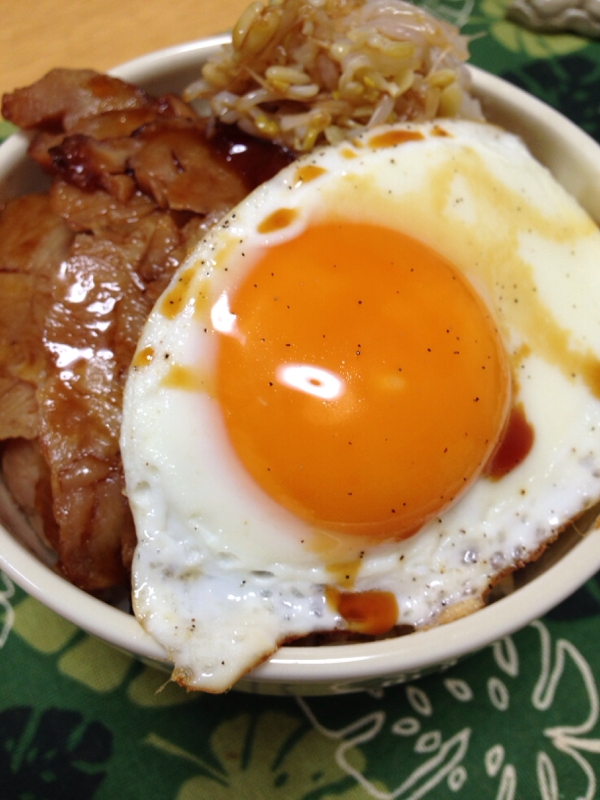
(277, 220)
(590, 369)
(344, 573)
(308, 173)
(174, 299)
(514, 446)
(184, 378)
(390, 138)
(143, 357)
(254, 160)
(371, 612)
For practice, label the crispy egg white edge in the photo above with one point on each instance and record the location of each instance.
(221, 584)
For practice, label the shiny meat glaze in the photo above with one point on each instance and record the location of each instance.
(136, 181)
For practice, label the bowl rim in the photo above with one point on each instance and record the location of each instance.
(337, 664)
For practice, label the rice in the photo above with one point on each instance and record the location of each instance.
(309, 72)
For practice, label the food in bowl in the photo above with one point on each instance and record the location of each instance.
(322, 669)
(137, 179)
(342, 414)
(307, 73)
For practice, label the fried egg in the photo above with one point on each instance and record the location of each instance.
(369, 393)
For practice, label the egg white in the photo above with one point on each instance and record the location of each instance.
(222, 575)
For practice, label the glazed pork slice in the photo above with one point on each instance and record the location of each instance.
(27, 477)
(64, 96)
(66, 353)
(82, 101)
(71, 309)
(33, 242)
(99, 305)
(169, 159)
(136, 181)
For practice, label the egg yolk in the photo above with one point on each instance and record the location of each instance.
(363, 382)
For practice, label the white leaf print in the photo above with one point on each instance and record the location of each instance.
(8, 618)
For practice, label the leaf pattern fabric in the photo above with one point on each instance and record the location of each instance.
(518, 720)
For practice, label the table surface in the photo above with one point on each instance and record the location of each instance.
(81, 720)
(37, 35)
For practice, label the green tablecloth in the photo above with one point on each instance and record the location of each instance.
(80, 720)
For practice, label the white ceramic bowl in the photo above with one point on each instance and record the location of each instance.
(574, 158)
